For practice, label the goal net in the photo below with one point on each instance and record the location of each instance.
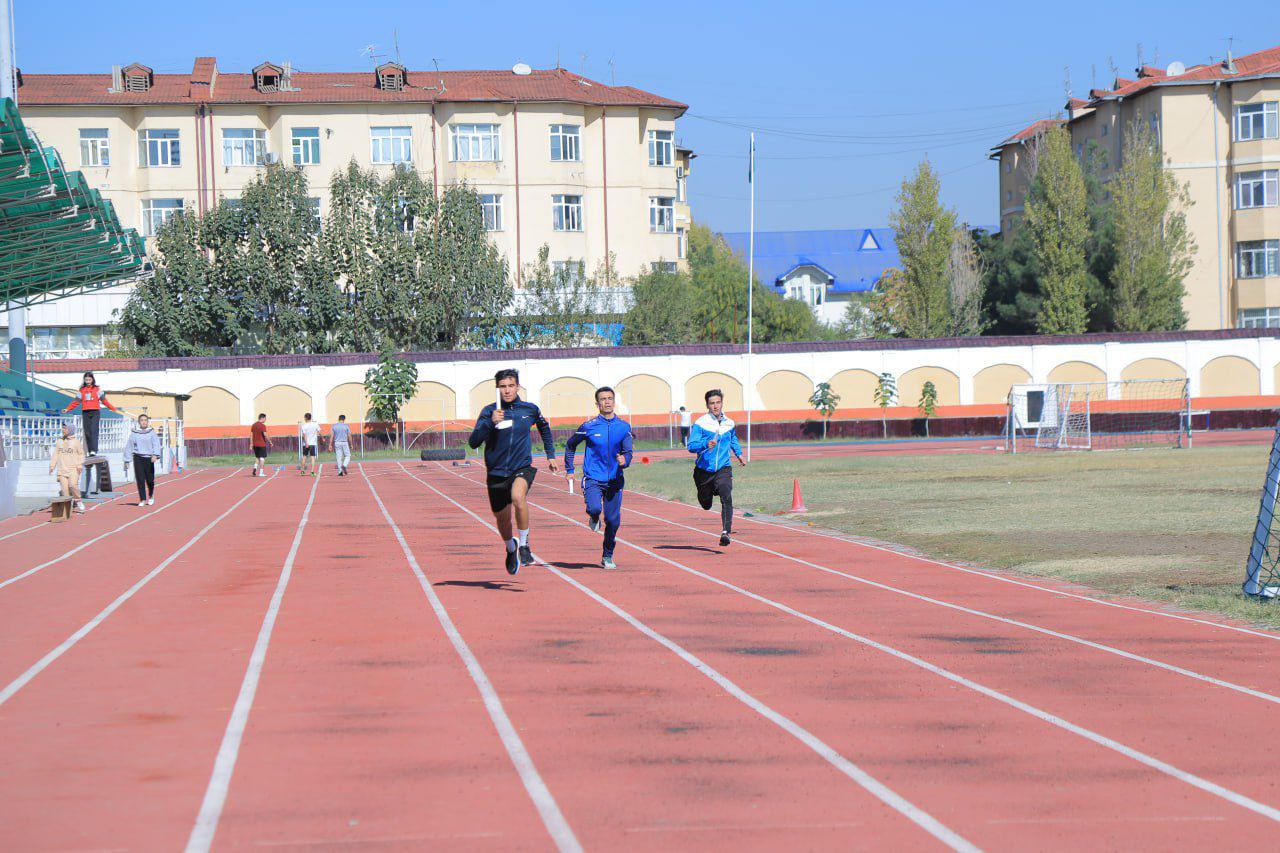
(1099, 415)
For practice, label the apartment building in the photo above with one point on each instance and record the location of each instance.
(593, 171)
(1217, 128)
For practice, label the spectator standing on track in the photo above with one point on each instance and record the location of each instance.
(310, 444)
(66, 458)
(261, 444)
(341, 438)
(685, 418)
(504, 429)
(608, 452)
(143, 451)
(714, 441)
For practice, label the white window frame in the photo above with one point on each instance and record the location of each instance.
(662, 148)
(566, 213)
(662, 214)
(1257, 121)
(1249, 185)
(244, 147)
(491, 207)
(155, 216)
(1259, 318)
(1257, 258)
(577, 271)
(161, 148)
(305, 146)
(680, 181)
(475, 143)
(566, 143)
(682, 243)
(669, 267)
(391, 145)
(95, 147)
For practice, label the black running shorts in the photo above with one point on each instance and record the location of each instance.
(500, 487)
(260, 453)
(308, 450)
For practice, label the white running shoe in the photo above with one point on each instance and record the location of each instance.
(80, 506)
(142, 503)
(150, 501)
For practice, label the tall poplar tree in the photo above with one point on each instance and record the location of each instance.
(1057, 220)
(923, 228)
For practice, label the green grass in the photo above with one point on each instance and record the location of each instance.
(1170, 525)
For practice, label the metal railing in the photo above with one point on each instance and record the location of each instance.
(28, 438)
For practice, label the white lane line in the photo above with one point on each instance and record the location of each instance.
(91, 509)
(989, 575)
(41, 665)
(215, 795)
(861, 777)
(1071, 638)
(1053, 719)
(554, 820)
(100, 537)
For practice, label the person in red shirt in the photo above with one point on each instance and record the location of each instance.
(261, 444)
(90, 398)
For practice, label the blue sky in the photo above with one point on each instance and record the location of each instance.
(847, 97)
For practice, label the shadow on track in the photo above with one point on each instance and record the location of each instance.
(498, 586)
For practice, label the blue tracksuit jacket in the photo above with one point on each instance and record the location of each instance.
(605, 438)
(508, 450)
(706, 428)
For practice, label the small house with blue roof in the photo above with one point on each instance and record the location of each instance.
(824, 269)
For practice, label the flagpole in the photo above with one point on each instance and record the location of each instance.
(751, 277)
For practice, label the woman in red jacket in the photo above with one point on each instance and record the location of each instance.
(90, 399)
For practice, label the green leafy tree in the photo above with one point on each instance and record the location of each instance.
(1011, 301)
(824, 401)
(389, 385)
(1057, 218)
(923, 228)
(928, 403)
(885, 395)
(661, 310)
(558, 306)
(966, 285)
(1153, 247)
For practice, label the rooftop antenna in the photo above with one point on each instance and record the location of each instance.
(436, 63)
(557, 57)
(1156, 59)
(583, 55)
(371, 51)
(1093, 76)
(1140, 62)
(613, 79)
(1066, 80)
(395, 39)
(1230, 64)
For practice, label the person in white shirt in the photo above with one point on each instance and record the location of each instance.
(310, 444)
(686, 418)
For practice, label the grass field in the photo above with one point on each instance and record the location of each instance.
(1173, 525)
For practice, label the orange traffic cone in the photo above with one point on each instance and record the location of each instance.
(797, 500)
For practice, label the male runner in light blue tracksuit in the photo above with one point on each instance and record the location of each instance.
(714, 441)
(608, 453)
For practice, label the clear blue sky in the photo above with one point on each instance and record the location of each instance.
(860, 92)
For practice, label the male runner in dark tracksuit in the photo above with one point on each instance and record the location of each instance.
(608, 452)
(714, 441)
(504, 429)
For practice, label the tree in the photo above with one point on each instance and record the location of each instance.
(824, 401)
(1011, 301)
(390, 384)
(1153, 247)
(966, 285)
(559, 306)
(923, 229)
(885, 395)
(928, 404)
(1057, 219)
(661, 310)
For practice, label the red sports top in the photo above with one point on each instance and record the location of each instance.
(259, 432)
(93, 398)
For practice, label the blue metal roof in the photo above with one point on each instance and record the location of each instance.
(855, 258)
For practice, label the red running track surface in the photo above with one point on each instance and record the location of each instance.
(332, 662)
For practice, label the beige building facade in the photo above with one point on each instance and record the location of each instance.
(595, 172)
(1218, 129)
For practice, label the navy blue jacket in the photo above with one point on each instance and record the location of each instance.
(508, 450)
(605, 439)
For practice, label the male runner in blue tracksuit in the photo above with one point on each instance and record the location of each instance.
(504, 429)
(608, 452)
(714, 441)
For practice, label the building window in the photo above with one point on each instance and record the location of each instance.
(391, 145)
(306, 146)
(1080, 150)
(682, 243)
(1257, 258)
(1008, 166)
(662, 215)
(566, 212)
(244, 146)
(1105, 130)
(67, 341)
(1256, 121)
(664, 266)
(1008, 195)
(1256, 189)
(160, 148)
(1260, 318)
(566, 142)
(492, 207)
(476, 143)
(679, 183)
(569, 272)
(95, 147)
(662, 147)
(156, 212)
(807, 291)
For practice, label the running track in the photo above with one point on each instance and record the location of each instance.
(327, 663)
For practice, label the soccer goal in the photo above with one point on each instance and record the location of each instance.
(1099, 415)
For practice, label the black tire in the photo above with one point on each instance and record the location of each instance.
(448, 455)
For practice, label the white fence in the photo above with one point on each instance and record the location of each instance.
(28, 439)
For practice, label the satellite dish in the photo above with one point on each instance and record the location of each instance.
(1175, 69)
(521, 69)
